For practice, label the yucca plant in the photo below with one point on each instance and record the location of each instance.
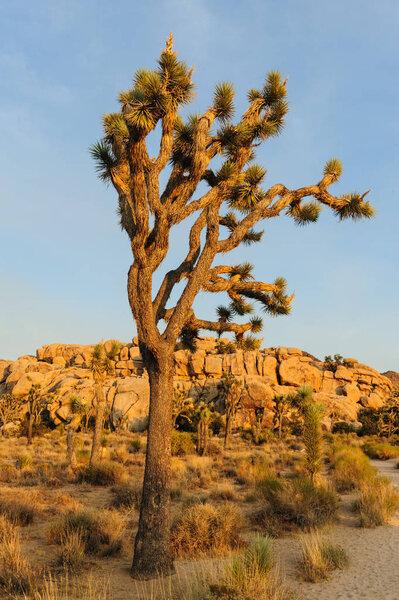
(220, 218)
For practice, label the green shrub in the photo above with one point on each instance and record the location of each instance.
(182, 443)
(369, 418)
(377, 503)
(204, 528)
(350, 468)
(135, 445)
(294, 503)
(100, 534)
(343, 427)
(103, 473)
(72, 551)
(319, 558)
(380, 450)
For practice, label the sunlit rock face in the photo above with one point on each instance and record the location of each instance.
(63, 371)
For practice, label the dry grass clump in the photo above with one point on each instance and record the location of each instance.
(294, 503)
(224, 492)
(319, 558)
(100, 534)
(206, 528)
(67, 589)
(17, 576)
(251, 469)
(17, 511)
(103, 473)
(377, 503)
(126, 496)
(380, 450)
(23, 461)
(199, 471)
(350, 468)
(72, 552)
(182, 443)
(250, 576)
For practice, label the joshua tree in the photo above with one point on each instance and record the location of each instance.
(102, 366)
(36, 405)
(182, 405)
(220, 219)
(282, 405)
(230, 389)
(204, 415)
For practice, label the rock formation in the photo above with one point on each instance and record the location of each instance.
(63, 372)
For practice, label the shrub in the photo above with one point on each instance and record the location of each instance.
(343, 427)
(319, 558)
(225, 492)
(100, 534)
(204, 528)
(24, 461)
(294, 503)
(72, 551)
(126, 496)
(252, 469)
(182, 443)
(103, 473)
(16, 573)
(18, 512)
(135, 445)
(250, 576)
(380, 450)
(312, 439)
(369, 418)
(350, 468)
(377, 503)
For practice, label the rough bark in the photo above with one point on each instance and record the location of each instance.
(98, 427)
(30, 427)
(152, 553)
(71, 443)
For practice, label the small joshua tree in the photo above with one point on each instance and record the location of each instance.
(204, 415)
(312, 438)
(195, 154)
(182, 405)
(102, 366)
(257, 426)
(230, 390)
(282, 405)
(36, 405)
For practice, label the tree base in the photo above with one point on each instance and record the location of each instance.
(145, 573)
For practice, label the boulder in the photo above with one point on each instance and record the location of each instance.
(296, 373)
(213, 365)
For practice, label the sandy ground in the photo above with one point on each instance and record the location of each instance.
(373, 573)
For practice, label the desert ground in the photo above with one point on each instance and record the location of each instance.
(38, 493)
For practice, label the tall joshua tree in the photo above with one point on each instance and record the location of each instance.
(221, 218)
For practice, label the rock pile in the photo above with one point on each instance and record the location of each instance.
(63, 372)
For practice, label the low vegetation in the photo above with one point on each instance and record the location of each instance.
(350, 468)
(377, 503)
(319, 558)
(380, 450)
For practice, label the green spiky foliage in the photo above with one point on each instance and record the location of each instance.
(188, 339)
(213, 184)
(312, 439)
(102, 363)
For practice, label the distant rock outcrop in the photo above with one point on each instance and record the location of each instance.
(393, 376)
(63, 372)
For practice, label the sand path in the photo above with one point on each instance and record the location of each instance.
(373, 573)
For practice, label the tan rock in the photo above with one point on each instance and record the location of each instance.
(134, 352)
(257, 394)
(237, 363)
(372, 401)
(196, 363)
(269, 369)
(344, 374)
(59, 361)
(181, 358)
(294, 351)
(250, 362)
(341, 406)
(296, 373)
(352, 391)
(23, 385)
(4, 371)
(124, 353)
(213, 365)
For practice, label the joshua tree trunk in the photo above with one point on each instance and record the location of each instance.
(30, 427)
(71, 442)
(202, 437)
(227, 432)
(98, 426)
(152, 554)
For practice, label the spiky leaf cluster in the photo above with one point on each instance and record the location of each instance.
(355, 208)
(306, 213)
(188, 339)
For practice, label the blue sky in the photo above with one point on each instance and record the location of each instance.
(63, 257)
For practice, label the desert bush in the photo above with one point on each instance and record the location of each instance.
(17, 511)
(380, 450)
(23, 461)
(377, 503)
(343, 427)
(135, 445)
(100, 534)
(225, 492)
(350, 468)
(103, 473)
(312, 439)
(319, 558)
(369, 418)
(72, 551)
(17, 576)
(251, 469)
(126, 496)
(250, 576)
(204, 528)
(182, 443)
(294, 503)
